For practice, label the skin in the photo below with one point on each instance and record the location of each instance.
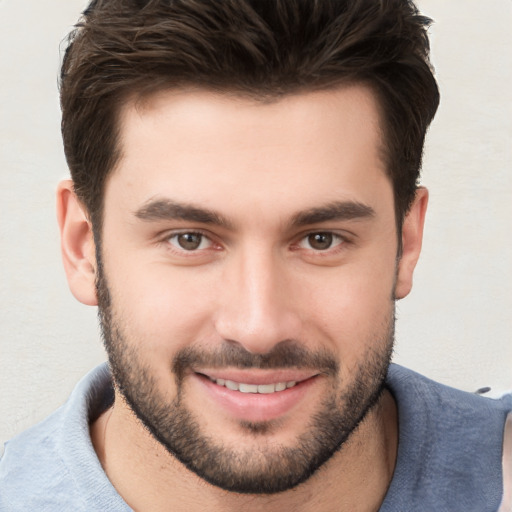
(255, 280)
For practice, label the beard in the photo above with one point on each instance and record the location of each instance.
(268, 468)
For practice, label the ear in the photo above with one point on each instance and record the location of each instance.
(77, 244)
(412, 237)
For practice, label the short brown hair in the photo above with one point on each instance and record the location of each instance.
(262, 48)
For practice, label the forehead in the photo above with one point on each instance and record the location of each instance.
(200, 146)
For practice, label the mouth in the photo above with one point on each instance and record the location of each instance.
(264, 389)
(257, 395)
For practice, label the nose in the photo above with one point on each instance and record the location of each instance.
(256, 305)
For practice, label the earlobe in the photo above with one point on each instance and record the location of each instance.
(412, 237)
(77, 244)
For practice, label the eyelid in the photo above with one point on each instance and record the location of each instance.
(337, 240)
(204, 242)
(168, 235)
(346, 239)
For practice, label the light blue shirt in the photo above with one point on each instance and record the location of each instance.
(449, 452)
(53, 465)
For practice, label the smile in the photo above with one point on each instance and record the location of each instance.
(254, 395)
(254, 388)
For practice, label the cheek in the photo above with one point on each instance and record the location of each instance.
(161, 308)
(353, 309)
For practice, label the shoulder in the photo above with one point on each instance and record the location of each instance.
(32, 470)
(450, 445)
(53, 466)
(419, 394)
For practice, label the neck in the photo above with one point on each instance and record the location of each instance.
(148, 478)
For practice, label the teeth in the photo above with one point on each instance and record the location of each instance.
(231, 385)
(248, 388)
(266, 388)
(254, 388)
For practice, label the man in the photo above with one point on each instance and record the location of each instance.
(244, 211)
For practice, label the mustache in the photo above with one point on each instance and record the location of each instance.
(285, 354)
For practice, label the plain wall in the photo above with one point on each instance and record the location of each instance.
(454, 327)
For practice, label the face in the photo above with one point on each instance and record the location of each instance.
(247, 277)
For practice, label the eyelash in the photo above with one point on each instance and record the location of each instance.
(339, 243)
(182, 251)
(336, 241)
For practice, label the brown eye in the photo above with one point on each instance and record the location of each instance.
(320, 241)
(190, 241)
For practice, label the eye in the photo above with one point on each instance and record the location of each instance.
(190, 241)
(321, 241)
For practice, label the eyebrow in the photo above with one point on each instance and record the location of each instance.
(338, 210)
(166, 209)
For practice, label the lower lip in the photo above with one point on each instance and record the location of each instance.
(256, 407)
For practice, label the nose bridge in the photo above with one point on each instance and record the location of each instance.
(256, 309)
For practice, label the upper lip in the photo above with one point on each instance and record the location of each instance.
(257, 376)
